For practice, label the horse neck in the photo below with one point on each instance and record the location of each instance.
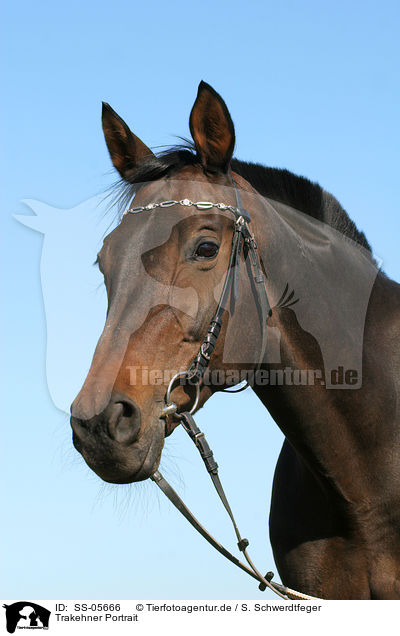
(341, 434)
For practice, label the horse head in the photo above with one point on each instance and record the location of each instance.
(163, 270)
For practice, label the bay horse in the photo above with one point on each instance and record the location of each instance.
(335, 511)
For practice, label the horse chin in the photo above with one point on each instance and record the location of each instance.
(118, 464)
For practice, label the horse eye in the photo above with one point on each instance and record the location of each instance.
(207, 250)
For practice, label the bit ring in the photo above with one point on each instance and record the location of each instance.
(168, 408)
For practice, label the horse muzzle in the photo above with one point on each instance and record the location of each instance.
(116, 445)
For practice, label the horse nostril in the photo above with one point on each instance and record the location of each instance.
(128, 409)
(123, 418)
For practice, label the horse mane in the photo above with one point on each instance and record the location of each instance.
(275, 183)
(300, 193)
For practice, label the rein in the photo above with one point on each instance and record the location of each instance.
(242, 239)
(198, 437)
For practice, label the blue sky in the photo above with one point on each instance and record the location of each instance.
(312, 87)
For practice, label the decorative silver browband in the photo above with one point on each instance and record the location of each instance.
(200, 205)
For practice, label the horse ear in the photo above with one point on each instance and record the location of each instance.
(126, 150)
(212, 129)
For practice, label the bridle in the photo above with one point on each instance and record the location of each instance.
(242, 239)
